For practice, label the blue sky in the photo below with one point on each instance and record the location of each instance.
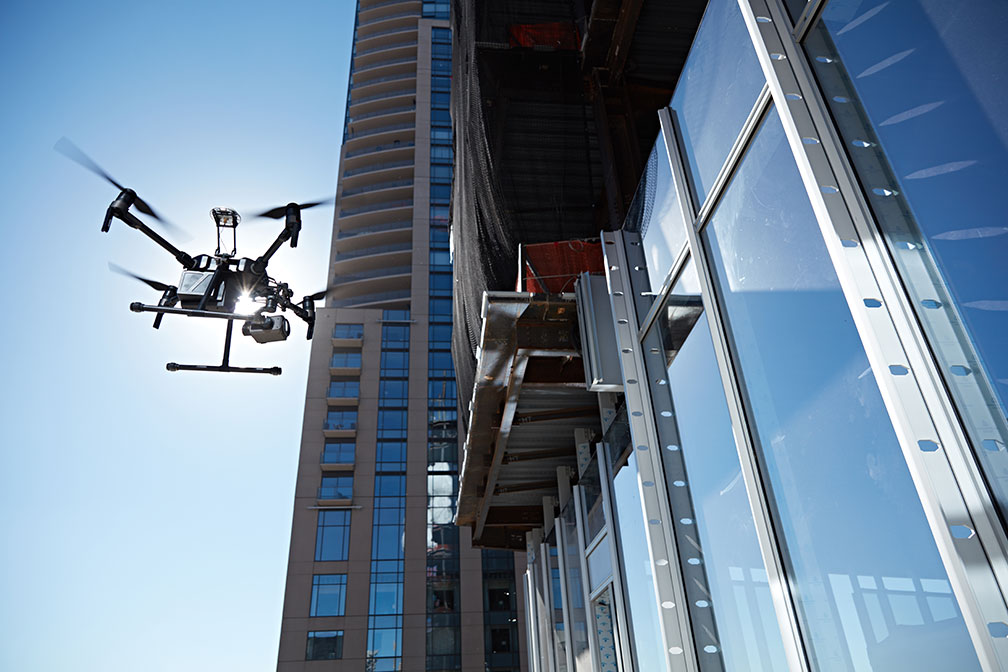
(145, 515)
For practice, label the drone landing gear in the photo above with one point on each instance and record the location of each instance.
(225, 367)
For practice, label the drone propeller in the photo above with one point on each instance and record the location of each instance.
(279, 211)
(153, 284)
(77, 155)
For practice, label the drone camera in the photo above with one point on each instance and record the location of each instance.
(275, 328)
(193, 284)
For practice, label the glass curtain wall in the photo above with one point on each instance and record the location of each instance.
(896, 73)
(444, 644)
(385, 612)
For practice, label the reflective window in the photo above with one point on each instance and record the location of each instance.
(332, 536)
(344, 387)
(641, 597)
(338, 452)
(328, 596)
(348, 331)
(716, 91)
(707, 494)
(324, 645)
(345, 359)
(845, 506)
(336, 487)
(656, 214)
(578, 627)
(591, 501)
(341, 419)
(917, 88)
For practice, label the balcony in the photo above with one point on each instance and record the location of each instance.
(382, 83)
(371, 251)
(378, 65)
(334, 495)
(343, 364)
(392, 146)
(361, 56)
(397, 297)
(399, 30)
(375, 229)
(378, 167)
(381, 113)
(386, 17)
(379, 186)
(384, 95)
(379, 130)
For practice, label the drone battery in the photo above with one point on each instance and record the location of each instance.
(275, 328)
(193, 284)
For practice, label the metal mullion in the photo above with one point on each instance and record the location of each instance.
(674, 616)
(852, 242)
(547, 578)
(959, 441)
(621, 612)
(532, 631)
(759, 503)
(808, 18)
(585, 580)
(564, 599)
(680, 262)
(724, 175)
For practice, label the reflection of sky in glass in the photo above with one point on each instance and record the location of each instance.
(930, 77)
(845, 503)
(643, 603)
(721, 516)
(716, 91)
(657, 213)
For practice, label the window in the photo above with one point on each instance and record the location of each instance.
(395, 363)
(332, 536)
(393, 393)
(344, 387)
(391, 424)
(341, 419)
(395, 315)
(345, 359)
(439, 365)
(328, 596)
(395, 336)
(336, 487)
(348, 331)
(324, 645)
(338, 452)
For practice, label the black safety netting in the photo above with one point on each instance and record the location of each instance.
(527, 166)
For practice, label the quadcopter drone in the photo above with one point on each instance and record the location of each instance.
(211, 285)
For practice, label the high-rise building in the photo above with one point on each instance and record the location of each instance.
(379, 578)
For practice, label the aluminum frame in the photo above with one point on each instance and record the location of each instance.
(564, 599)
(670, 592)
(891, 339)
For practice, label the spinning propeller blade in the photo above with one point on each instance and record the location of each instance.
(77, 155)
(153, 284)
(279, 211)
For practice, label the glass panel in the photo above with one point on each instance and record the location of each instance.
(559, 631)
(716, 91)
(642, 601)
(845, 504)
(706, 491)
(328, 595)
(327, 645)
(917, 88)
(578, 630)
(655, 213)
(591, 502)
(599, 564)
(603, 610)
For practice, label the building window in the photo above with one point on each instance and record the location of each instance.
(328, 597)
(348, 331)
(500, 640)
(341, 419)
(324, 645)
(338, 452)
(344, 387)
(345, 359)
(336, 487)
(332, 536)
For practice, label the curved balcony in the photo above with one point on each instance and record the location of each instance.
(381, 130)
(382, 117)
(397, 297)
(362, 57)
(340, 257)
(374, 229)
(377, 101)
(373, 213)
(383, 84)
(386, 6)
(376, 273)
(379, 186)
(387, 17)
(397, 166)
(388, 22)
(398, 30)
(377, 149)
(378, 66)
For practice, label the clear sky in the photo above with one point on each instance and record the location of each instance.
(145, 515)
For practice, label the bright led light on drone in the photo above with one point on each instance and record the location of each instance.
(246, 305)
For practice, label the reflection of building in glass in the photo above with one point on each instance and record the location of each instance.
(761, 424)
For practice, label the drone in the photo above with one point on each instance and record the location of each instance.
(211, 285)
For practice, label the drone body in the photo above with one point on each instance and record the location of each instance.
(211, 286)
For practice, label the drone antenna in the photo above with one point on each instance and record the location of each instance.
(227, 221)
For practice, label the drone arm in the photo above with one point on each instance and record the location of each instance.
(133, 222)
(268, 254)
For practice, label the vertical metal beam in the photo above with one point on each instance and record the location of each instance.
(620, 608)
(958, 509)
(678, 645)
(770, 550)
(564, 598)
